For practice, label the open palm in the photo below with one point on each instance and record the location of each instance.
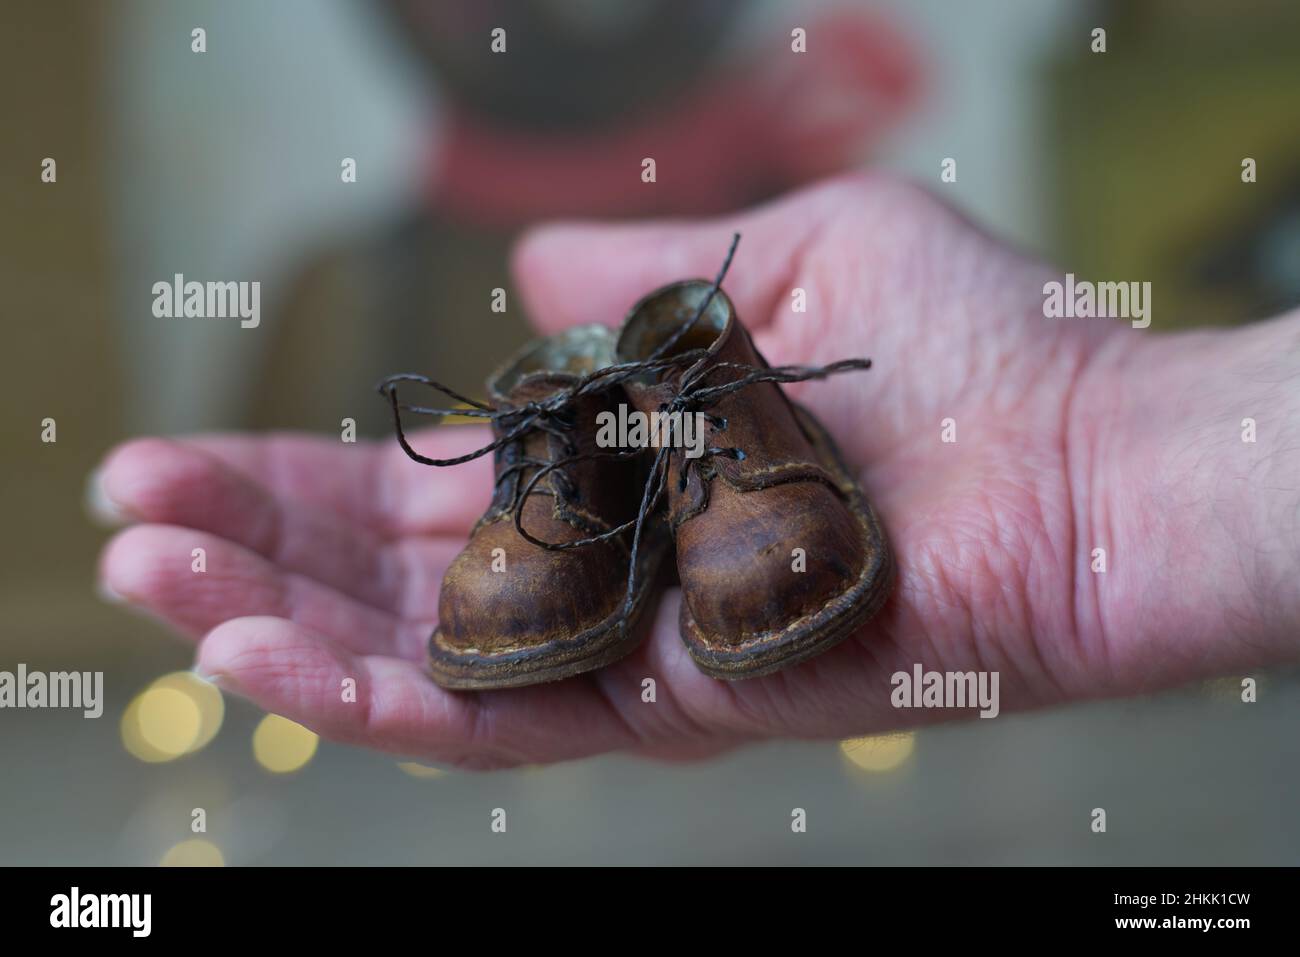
(324, 559)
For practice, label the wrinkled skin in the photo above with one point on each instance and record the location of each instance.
(324, 559)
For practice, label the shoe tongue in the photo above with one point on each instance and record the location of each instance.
(537, 387)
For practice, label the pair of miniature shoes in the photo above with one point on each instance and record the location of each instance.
(778, 553)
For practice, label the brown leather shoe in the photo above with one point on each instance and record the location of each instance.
(772, 484)
(511, 612)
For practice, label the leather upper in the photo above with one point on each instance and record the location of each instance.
(544, 595)
(738, 522)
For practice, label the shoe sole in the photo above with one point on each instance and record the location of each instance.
(839, 618)
(600, 645)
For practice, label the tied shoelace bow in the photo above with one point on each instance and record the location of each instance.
(554, 416)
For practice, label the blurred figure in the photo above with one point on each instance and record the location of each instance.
(558, 126)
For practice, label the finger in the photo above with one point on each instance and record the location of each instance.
(696, 716)
(571, 273)
(173, 483)
(369, 483)
(294, 670)
(157, 568)
(690, 715)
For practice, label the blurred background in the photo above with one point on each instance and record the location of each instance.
(226, 165)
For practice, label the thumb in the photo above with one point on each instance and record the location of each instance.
(571, 273)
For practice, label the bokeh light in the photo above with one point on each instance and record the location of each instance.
(417, 770)
(178, 714)
(281, 745)
(195, 852)
(878, 753)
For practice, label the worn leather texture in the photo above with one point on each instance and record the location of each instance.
(739, 525)
(547, 614)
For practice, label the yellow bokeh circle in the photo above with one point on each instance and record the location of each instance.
(178, 714)
(193, 853)
(281, 745)
(880, 752)
(417, 770)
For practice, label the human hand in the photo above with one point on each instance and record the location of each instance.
(324, 560)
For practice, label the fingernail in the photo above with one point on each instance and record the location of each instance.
(219, 678)
(109, 594)
(102, 509)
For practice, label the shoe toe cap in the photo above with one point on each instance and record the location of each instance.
(771, 560)
(505, 594)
